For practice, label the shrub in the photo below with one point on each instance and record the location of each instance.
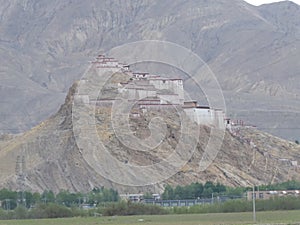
(2, 214)
(124, 208)
(20, 212)
(50, 211)
(57, 211)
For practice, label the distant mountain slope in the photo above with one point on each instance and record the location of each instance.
(254, 52)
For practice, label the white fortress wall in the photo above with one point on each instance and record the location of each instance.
(190, 112)
(136, 94)
(178, 89)
(131, 94)
(174, 85)
(169, 99)
(220, 118)
(205, 116)
(146, 107)
(141, 94)
(202, 116)
(108, 64)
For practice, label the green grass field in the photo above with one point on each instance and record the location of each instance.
(276, 217)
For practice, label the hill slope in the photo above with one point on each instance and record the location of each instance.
(51, 159)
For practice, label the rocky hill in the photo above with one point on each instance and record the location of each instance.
(49, 155)
(253, 51)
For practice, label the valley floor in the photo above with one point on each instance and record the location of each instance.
(276, 217)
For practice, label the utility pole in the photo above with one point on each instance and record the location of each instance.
(7, 204)
(79, 202)
(254, 210)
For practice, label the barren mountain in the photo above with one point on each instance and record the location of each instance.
(49, 157)
(253, 51)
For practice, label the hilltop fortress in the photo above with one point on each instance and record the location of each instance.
(66, 152)
(148, 91)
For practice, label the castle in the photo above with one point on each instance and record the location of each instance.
(150, 91)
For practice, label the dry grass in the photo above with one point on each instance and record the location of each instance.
(278, 217)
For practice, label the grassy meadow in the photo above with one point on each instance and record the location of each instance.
(275, 217)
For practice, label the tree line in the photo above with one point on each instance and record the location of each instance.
(209, 190)
(123, 208)
(11, 199)
(192, 191)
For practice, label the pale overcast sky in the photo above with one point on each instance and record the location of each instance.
(260, 2)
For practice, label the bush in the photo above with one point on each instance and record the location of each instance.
(280, 203)
(78, 212)
(2, 214)
(124, 208)
(57, 211)
(50, 211)
(226, 207)
(180, 210)
(237, 206)
(20, 212)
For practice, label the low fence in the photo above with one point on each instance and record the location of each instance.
(190, 202)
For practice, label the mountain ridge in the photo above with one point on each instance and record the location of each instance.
(252, 50)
